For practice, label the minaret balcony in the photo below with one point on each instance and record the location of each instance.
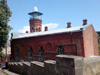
(36, 17)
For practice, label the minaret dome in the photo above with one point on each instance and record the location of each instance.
(35, 20)
(35, 9)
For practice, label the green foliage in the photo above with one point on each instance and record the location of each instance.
(99, 49)
(99, 40)
(99, 44)
(21, 73)
(5, 73)
(5, 13)
(98, 32)
(1, 49)
(2, 54)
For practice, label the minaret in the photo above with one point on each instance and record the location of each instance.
(35, 20)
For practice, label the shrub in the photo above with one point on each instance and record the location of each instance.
(2, 54)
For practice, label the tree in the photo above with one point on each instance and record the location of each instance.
(98, 32)
(5, 14)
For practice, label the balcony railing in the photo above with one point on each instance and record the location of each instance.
(37, 17)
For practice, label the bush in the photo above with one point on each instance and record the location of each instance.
(2, 54)
(99, 40)
(99, 49)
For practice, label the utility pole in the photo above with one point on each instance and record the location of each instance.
(6, 42)
(6, 25)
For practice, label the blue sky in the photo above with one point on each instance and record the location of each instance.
(56, 13)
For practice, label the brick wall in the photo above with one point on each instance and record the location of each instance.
(35, 23)
(49, 43)
(90, 42)
(86, 41)
(95, 43)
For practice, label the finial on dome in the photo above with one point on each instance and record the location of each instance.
(35, 9)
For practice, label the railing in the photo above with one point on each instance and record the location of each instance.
(28, 59)
(70, 45)
(36, 17)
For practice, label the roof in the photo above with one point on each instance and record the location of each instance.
(31, 13)
(35, 11)
(58, 31)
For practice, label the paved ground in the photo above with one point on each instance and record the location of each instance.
(9, 72)
(5, 70)
(1, 73)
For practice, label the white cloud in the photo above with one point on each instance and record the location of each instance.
(25, 28)
(49, 25)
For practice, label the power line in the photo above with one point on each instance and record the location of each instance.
(15, 12)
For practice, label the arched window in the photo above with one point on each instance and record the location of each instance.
(32, 29)
(41, 54)
(39, 29)
(17, 54)
(60, 50)
(30, 52)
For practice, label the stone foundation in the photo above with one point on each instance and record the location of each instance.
(64, 65)
(37, 68)
(92, 66)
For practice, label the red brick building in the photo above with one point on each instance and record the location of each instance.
(38, 45)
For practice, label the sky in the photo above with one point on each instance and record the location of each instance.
(56, 13)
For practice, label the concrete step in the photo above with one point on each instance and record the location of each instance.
(9, 72)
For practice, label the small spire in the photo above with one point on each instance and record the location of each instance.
(35, 9)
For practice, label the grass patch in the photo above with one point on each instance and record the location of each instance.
(5, 73)
(21, 73)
